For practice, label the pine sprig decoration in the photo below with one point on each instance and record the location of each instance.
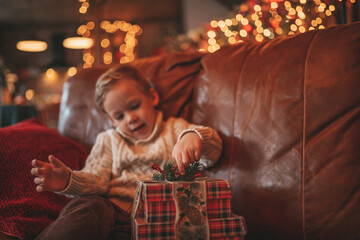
(171, 173)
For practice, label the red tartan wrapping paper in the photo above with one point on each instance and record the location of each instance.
(159, 206)
(222, 228)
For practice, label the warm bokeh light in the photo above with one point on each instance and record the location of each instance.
(87, 65)
(124, 59)
(211, 34)
(221, 24)
(50, 76)
(211, 49)
(292, 11)
(29, 94)
(72, 71)
(214, 23)
(228, 33)
(90, 25)
(104, 24)
(228, 22)
(31, 46)
(126, 27)
(231, 40)
(243, 33)
(258, 23)
(107, 58)
(267, 33)
(105, 43)
(239, 17)
(134, 29)
(247, 27)
(122, 47)
(274, 5)
(287, 5)
(293, 27)
(83, 10)
(50, 73)
(299, 9)
(126, 45)
(244, 21)
(90, 59)
(78, 43)
(212, 41)
(301, 15)
(259, 38)
(81, 30)
(234, 21)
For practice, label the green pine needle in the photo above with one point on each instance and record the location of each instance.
(170, 173)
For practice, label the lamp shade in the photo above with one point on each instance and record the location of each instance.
(31, 45)
(78, 42)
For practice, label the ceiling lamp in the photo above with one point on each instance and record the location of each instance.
(31, 45)
(78, 42)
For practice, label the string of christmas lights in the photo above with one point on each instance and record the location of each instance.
(124, 45)
(260, 20)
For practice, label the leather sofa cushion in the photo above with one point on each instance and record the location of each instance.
(288, 110)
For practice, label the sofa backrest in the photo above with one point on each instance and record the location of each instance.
(288, 112)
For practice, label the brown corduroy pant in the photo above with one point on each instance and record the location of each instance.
(89, 217)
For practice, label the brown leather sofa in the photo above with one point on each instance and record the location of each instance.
(288, 111)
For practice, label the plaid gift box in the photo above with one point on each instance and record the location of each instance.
(221, 228)
(158, 204)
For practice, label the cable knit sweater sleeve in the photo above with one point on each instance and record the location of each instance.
(94, 178)
(211, 141)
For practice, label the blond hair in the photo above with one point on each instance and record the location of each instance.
(114, 75)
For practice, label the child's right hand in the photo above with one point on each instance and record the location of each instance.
(52, 176)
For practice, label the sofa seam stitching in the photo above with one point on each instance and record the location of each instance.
(235, 108)
(304, 142)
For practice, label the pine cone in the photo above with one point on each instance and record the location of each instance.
(194, 215)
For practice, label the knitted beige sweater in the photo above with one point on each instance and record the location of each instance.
(116, 161)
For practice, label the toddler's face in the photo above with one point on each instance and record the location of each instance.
(130, 109)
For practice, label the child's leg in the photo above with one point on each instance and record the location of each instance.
(90, 217)
(122, 226)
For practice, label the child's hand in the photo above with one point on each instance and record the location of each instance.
(53, 176)
(187, 150)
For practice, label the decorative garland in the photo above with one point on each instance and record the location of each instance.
(171, 173)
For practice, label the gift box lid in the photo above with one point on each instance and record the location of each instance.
(154, 191)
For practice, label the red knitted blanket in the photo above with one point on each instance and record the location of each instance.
(24, 212)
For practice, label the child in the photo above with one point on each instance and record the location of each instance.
(105, 187)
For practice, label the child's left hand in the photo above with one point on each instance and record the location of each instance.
(187, 151)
